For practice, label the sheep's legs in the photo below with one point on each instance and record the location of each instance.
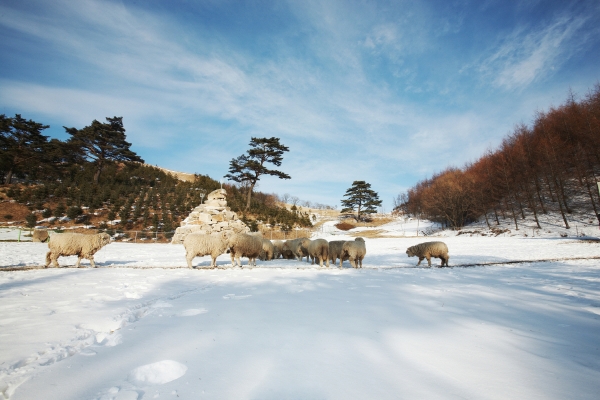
(48, 259)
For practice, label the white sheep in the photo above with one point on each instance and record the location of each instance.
(286, 251)
(277, 249)
(39, 235)
(296, 248)
(318, 249)
(199, 245)
(355, 251)
(299, 248)
(244, 245)
(335, 251)
(268, 250)
(428, 250)
(75, 244)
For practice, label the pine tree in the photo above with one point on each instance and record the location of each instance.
(21, 143)
(360, 198)
(248, 168)
(102, 143)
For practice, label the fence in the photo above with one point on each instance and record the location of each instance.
(11, 234)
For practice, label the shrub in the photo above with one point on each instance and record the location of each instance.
(60, 210)
(74, 212)
(344, 226)
(30, 220)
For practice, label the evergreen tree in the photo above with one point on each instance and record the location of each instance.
(360, 198)
(102, 143)
(21, 144)
(248, 168)
(30, 220)
(60, 210)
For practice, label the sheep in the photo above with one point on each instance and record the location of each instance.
(75, 244)
(39, 235)
(244, 245)
(296, 248)
(428, 250)
(335, 251)
(318, 249)
(277, 249)
(303, 252)
(199, 244)
(286, 251)
(355, 251)
(268, 249)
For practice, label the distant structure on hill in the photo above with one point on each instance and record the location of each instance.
(182, 176)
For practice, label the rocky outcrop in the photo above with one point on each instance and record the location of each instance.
(212, 216)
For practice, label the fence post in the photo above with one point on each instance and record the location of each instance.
(19, 240)
(135, 239)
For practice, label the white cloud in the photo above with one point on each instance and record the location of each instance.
(526, 56)
(199, 99)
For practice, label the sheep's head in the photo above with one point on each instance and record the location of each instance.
(409, 252)
(226, 235)
(104, 239)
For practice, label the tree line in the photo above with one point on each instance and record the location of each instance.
(96, 169)
(552, 165)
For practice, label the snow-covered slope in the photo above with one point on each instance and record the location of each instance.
(141, 326)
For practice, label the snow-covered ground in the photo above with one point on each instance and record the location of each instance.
(521, 319)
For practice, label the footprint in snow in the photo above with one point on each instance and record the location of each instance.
(109, 340)
(157, 373)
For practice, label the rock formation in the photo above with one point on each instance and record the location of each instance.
(212, 216)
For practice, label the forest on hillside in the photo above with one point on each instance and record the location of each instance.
(77, 181)
(551, 166)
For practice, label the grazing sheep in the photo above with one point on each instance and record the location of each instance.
(277, 249)
(286, 251)
(355, 251)
(293, 248)
(268, 249)
(199, 245)
(244, 245)
(428, 250)
(299, 247)
(335, 251)
(304, 243)
(75, 244)
(40, 235)
(318, 249)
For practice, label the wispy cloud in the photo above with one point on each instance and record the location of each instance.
(528, 55)
(348, 87)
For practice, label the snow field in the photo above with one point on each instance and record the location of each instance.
(141, 326)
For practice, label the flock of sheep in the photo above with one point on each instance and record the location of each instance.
(254, 246)
(239, 245)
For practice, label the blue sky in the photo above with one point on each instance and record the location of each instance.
(389, 92)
